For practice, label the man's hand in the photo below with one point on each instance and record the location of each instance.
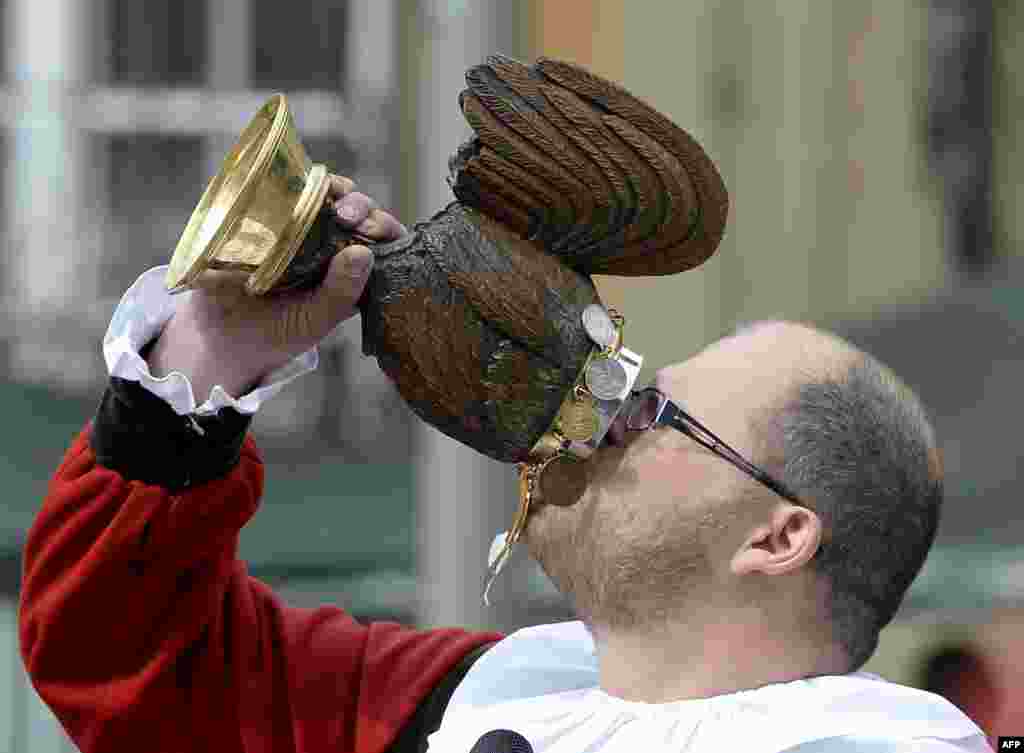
(221, 335)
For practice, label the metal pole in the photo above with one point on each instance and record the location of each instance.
(960, 128)
(228, 53)
(462, 497)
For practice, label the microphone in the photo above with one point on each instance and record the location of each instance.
(502, 741)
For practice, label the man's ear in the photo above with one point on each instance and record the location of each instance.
(786, 542)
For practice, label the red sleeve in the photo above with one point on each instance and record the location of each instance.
(142, 630)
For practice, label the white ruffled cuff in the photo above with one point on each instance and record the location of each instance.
(140, 316)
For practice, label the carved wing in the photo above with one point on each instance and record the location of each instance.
(580, 166)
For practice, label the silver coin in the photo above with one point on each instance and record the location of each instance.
(606, 379)
(599, 325)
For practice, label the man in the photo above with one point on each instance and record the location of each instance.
(722, 608)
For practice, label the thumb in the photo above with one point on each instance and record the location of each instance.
(335, 299)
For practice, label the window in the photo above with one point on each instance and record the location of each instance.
(316, 63)
(158, 43)
(167, 89)
(153, 183)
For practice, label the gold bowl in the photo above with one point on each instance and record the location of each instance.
(257, 210)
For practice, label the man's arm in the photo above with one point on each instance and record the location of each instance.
(139, 625)
(222, 336)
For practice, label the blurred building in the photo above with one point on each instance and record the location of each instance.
(820, 115)
(113, 116)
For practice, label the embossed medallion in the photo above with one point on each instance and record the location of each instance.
(606, 378)
(577, 418)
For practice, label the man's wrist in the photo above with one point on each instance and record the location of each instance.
(186, 350)
(139, 435)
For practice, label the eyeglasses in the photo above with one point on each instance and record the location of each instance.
(650, 407)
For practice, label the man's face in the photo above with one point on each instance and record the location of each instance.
(658, 520)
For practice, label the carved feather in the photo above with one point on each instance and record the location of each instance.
(636, 195)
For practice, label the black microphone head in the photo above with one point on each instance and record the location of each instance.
(502, 741)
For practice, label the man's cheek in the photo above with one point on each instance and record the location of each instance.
(615, 468)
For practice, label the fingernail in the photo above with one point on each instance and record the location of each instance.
(357, 259)
(347, 213)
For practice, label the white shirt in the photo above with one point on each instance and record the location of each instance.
(543, 681)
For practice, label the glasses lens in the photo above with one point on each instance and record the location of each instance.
(643, 409)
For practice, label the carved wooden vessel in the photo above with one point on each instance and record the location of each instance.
(475, 315)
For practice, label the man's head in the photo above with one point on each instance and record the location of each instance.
(667, 529)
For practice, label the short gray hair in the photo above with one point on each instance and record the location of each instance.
(859, 448)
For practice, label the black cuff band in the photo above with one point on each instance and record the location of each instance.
(138, 434)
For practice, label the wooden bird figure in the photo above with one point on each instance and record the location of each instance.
(476, 314)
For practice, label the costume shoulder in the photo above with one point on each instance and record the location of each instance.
(530, 662)
(855, 712)
(858, 712)
(868, 744)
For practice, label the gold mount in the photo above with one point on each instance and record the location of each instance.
(257, 210)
